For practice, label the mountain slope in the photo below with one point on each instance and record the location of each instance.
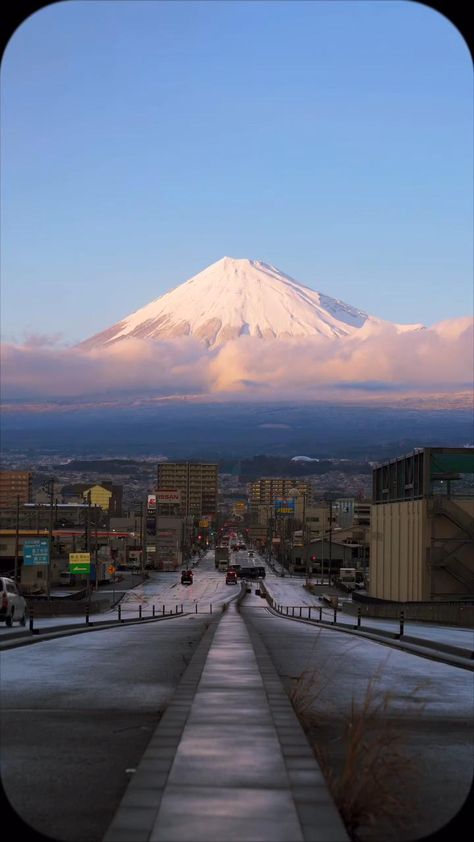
(233, 298)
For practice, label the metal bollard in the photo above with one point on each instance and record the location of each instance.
(293, 611)
(287, 609)
(309, 613)
(402, 622)
(31, 619)
(139, 612)
(358, 617)
(335, 615)
(120, 613)
(300, 610)
(176, 609)
(196, 607)
(320, 613)
(152, 610)
(210, 607)
(181, 608)
(163, 610)
(87, 615)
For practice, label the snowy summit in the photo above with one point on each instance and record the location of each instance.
(240, 297)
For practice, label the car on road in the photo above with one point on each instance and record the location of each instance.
(231, 577)
(187, 577)
(12, 604)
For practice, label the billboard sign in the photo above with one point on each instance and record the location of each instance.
(151, 502)
(36, 551)
(284, 505)
(168, 495)
(80, 563)
(203, 524)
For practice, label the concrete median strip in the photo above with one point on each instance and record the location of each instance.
(229, 759)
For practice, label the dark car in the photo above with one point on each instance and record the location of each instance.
(187, 577)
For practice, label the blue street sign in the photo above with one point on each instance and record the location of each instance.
(36, 551)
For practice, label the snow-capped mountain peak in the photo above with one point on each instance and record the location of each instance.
(237, 297)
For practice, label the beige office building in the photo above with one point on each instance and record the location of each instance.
(197, 484)
(422, 526)
(15, 486)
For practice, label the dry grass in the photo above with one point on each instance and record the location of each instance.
(374, 781)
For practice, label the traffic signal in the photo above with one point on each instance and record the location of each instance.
(313, 558)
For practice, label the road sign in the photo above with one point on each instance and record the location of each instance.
(36, 551)
(111, 568)
(80, 563)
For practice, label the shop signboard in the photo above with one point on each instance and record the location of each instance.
(284, 505)
(80, 563)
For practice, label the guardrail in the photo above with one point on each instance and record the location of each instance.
(314, 616)
(157, 613)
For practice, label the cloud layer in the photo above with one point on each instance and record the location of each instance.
(437, 359)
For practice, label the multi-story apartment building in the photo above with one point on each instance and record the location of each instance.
(264, 492)
(196, 484)
(422, 526)
(15, 485)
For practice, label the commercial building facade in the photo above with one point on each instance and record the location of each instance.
(422, 527)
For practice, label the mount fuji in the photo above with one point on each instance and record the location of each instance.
(241, 297)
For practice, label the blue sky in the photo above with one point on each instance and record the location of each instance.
(142, 141)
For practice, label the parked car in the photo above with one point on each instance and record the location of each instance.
(231, 577)
(187, 577)
(12, 604)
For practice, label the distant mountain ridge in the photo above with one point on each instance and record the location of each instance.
(241, 297)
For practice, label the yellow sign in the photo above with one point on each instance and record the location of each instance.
(79, 558)
(111, 568)
(79, 562)
(204, 524)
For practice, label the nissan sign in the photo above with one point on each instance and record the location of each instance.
(168, 495)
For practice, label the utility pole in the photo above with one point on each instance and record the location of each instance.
(17, 536)
(88, 544)
(330, 539)
(96, 547)
(323, 533)
(51, 516)
(142, 540)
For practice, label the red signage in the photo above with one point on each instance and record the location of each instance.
(168, 495)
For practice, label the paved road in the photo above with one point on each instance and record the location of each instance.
(292, 592)
(161, 589)
(77, 715)
(78, 712)
(428, 704)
